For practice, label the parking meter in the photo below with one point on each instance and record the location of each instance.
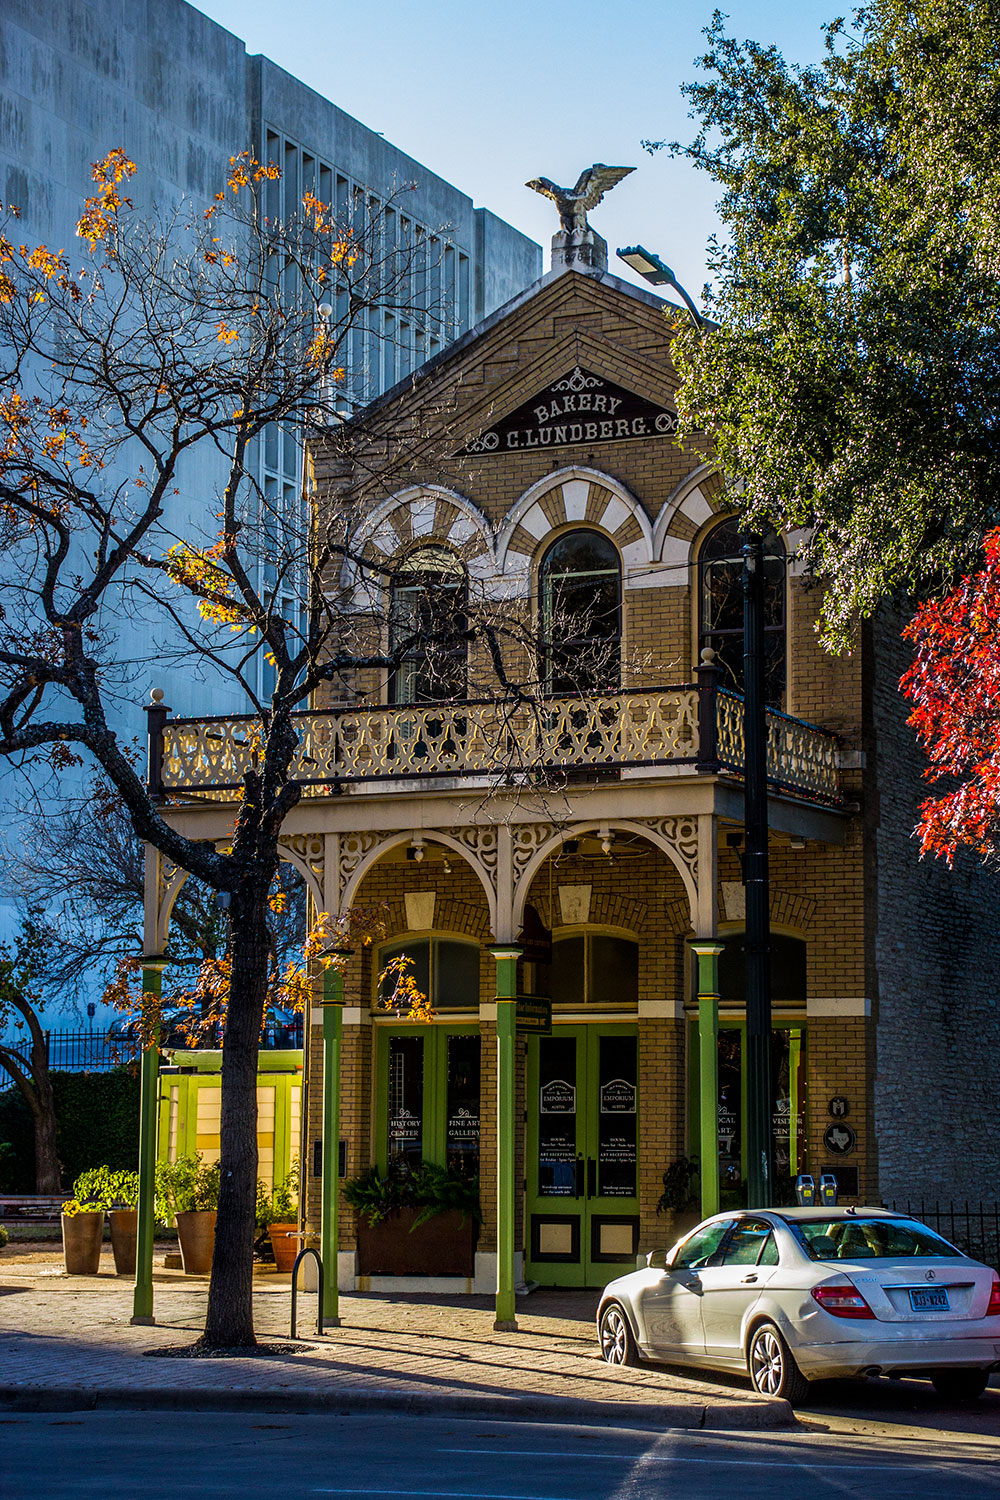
(805, 1190)
(828, 1190)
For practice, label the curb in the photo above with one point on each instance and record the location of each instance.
(348, 1401)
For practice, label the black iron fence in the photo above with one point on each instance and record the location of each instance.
(972, 1227)
(88, 1050)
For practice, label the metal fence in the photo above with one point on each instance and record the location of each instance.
(88, 1050)
(973, 1227)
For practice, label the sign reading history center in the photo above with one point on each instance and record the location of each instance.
(580, 409)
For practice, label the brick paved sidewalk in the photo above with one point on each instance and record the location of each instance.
(66, 1342)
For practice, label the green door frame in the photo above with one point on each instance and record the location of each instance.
(434, 1123)
(585, 1271)
(797, 1052)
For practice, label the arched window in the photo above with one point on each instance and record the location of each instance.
(594, 968)
(427, 624)
(720, 607)
(581, 589)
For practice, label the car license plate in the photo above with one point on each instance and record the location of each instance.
(929, 1298)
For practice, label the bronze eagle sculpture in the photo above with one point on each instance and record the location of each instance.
(574, 202)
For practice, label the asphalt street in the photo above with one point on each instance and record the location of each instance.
(164, 1456)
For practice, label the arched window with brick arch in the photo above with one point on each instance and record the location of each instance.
(720, 607)
(580, 590)
(429, 594)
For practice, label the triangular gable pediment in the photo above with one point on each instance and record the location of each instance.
(578, 409)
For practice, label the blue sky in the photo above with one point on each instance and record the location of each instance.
(488, 94)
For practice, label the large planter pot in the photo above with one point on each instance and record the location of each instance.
(285, 1244)
(81, 1237)
(124, 1227)
(444, 1246)
(196, 1232)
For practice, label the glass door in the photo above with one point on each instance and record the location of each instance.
(582, 1165)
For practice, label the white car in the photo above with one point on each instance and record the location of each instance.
(794, 1295)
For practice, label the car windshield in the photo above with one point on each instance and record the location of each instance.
(868, 1239)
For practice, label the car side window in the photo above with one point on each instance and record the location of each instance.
(699, 1249)
(769, 1254)
(746, 1243)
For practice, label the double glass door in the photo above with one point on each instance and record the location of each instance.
(582, 1155)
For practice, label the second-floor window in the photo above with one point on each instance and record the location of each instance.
(720, 608)
(427, 625)
(581, 588)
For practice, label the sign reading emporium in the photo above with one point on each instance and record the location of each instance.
(580, 409)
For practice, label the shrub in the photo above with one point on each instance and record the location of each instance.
(4, 1236)
(185, 1185)
(103, 1188)
(434, 1190)
(282, 1205)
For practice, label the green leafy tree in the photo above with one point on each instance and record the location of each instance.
(24, 1054)
(851, 382)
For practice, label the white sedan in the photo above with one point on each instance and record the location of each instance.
(794, 1295)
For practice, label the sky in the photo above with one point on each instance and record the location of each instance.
(488, 95)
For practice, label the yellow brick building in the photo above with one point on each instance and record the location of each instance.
(531, 462)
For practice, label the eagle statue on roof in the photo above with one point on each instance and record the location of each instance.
(573, 203)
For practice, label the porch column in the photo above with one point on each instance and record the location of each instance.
(506, 955)
(708, 1072)
(149, 1074)
(329, 1236)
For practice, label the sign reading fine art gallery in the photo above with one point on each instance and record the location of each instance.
(580, 409)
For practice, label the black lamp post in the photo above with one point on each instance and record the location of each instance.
(757, 940)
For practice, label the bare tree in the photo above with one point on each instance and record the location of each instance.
(27, 1062)
(180, 337)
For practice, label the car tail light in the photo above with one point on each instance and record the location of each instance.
(842, 1299)
(993, 1306)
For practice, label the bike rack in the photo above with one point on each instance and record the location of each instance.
(319, 1286)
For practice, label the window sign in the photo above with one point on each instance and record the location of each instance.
(616, 1127)
(406, 1101)
(557, 1118)
(462, 1120)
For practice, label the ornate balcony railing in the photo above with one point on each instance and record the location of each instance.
(695, 725)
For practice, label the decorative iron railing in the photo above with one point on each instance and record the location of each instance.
(696, 725)
(96, 1051)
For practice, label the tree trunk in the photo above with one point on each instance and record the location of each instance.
(48, 1167)
(229, 1324)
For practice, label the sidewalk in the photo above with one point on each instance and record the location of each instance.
(66, 1344)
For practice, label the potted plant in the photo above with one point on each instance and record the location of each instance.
(187, 1191)
(82, 1233)
(117, 1193)
(419, 1223)
(278, 1213)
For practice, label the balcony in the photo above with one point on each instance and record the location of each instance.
(619, 735)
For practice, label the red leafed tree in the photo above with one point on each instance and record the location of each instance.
(954, 684)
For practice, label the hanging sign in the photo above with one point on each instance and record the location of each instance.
(534, 1016)
(580, 409)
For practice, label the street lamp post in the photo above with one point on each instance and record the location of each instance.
(758, 929)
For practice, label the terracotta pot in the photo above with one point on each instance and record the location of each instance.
(81, 1237)
(124, 1227)
(443, 1246)
(196, 1232)
(285, 1247)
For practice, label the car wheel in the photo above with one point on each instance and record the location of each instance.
(961, 1385)
(617, 1344)
(773, 1371)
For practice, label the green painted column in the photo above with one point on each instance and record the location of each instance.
(506, 956)
(708, 1072)
(149, 1072)
(329, 1236)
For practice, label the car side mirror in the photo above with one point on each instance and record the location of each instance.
(657, 1260)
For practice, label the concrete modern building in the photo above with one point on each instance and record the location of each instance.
(181, 95)
(586, 856)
